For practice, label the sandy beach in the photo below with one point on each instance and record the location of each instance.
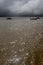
(21, 41)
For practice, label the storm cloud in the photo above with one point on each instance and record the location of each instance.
(21, 7)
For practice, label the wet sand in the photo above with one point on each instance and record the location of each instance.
(21, 41)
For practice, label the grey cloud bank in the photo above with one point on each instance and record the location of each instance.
(21, 7)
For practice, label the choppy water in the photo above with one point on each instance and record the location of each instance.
(21, 41)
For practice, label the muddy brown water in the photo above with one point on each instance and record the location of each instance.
(21, 41)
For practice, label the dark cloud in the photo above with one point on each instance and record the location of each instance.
(21, 7)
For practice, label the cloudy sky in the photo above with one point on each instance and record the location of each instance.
(21, 7)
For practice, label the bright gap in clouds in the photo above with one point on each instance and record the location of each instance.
(22, 6)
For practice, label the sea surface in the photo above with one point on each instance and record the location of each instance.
(21, 41)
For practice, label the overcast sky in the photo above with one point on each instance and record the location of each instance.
(20, 7)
